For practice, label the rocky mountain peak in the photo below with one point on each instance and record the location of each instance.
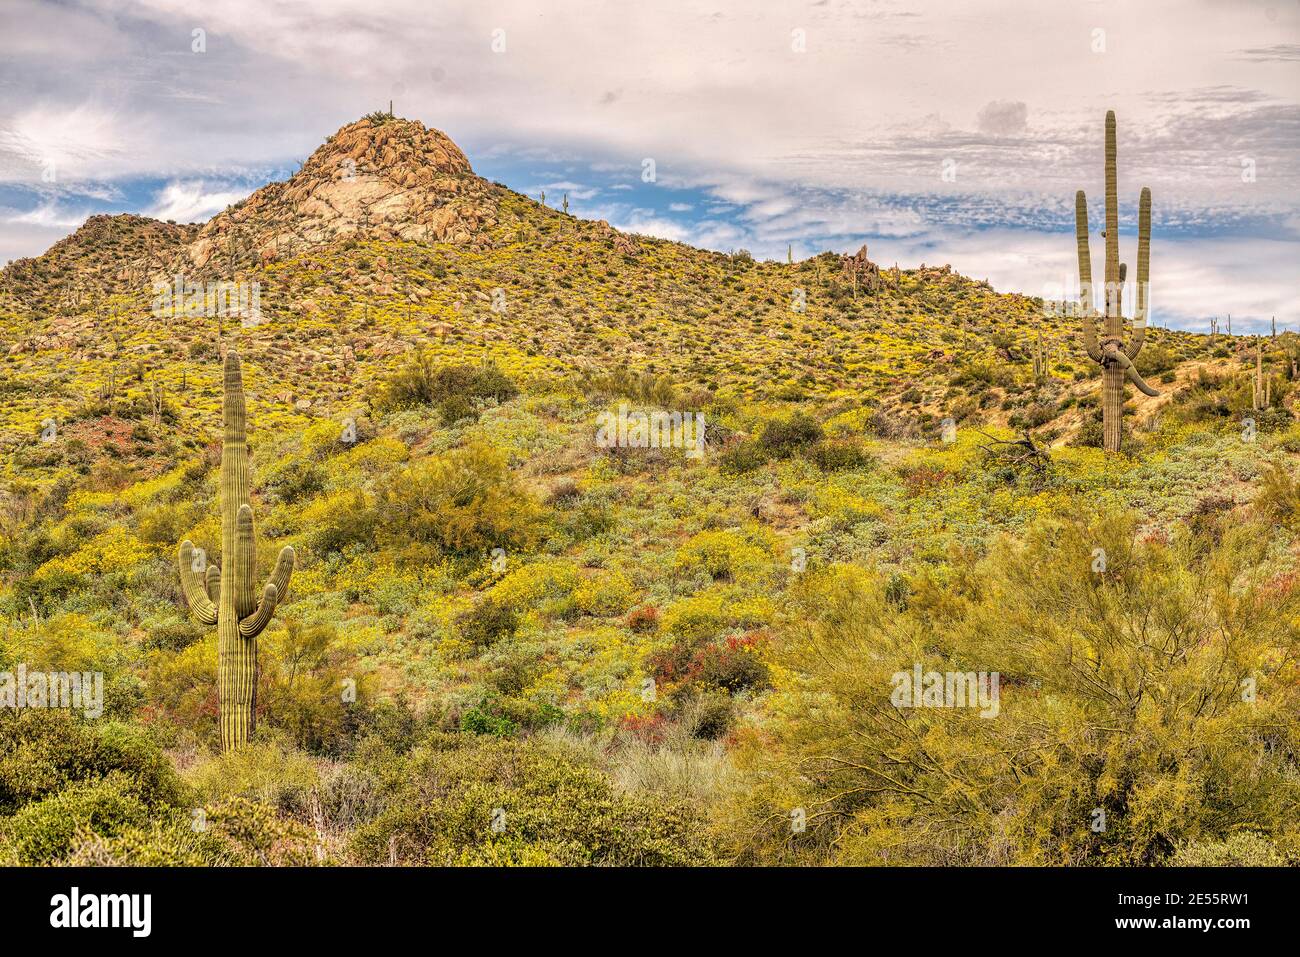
(406, 151)
(380, 177)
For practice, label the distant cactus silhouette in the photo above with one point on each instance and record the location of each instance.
(1039, 353)
(1115, 358)
(225, 596)
(1262, 386)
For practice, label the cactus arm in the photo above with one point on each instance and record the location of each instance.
(1116, 355)
(196, 595)
(214, 583)
(1085, 277)
(245, 562)
(1143, 276)
(252, 626)
(1138, 381)
(275, 589)
(283, 571)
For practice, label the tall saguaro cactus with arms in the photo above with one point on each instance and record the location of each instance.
(226, 596)
(1110, 352)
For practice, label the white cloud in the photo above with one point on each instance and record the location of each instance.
(48, 144)
(656, 226)
(190, 202)
(18, 240)
(1002, 118)
(575, 190)
(708, 84)
(49, 216)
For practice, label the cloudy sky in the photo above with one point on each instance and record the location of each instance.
(936, 131)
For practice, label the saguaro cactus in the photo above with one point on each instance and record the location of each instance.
(1114, 357)
(1039, 353)
(225, 596)
(1260, 392)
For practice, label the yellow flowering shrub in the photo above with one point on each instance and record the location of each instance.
(708, 613)
(134, 495)
(112, 551)
(844, 508)
(607, 592)
(545, 586)
(64, 642)
(725, 554)
(376, 455)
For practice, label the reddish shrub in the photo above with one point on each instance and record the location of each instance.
(923, 478)
(644, 619)
(650, 729)
(731, 664)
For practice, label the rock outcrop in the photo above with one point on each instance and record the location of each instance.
(380, 178)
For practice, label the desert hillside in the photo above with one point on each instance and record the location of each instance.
(385, 240)
(643, 655)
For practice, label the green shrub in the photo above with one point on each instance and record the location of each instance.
(1154, 729)
(463, 502)
(487, 621)
(301, 678)
(43, 752)
(44, 831)
(480, 720)
(175, 634)
(839, 456)
(419, 381)
(172, 841)
(295, 479)
(255, 833)
(164, 523)
(340, 521)
(1279, 497)
(549, 808)
(1246, 849)
(742, 457)
(1155, 359)
(783, 437)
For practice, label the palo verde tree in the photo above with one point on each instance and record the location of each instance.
(225, 596)
(1150, 713)
(1110, 352)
